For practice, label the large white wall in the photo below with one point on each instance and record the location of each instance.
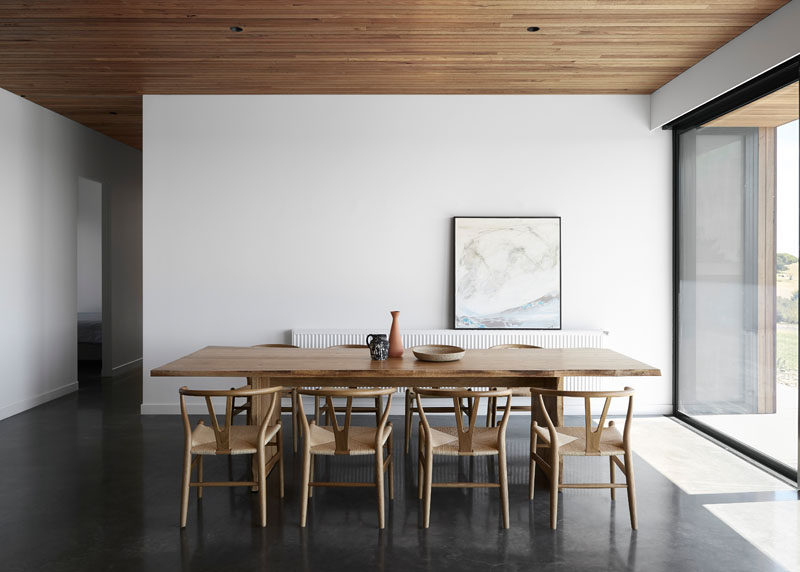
(42, 156)
(266, 213)
(772, 41)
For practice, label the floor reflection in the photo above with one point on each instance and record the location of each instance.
(89, 484)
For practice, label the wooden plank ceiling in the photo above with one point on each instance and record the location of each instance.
(91, 60)
(773, 110)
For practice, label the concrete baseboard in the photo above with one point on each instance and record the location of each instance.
(199, 408)
(125, 367)
(398, 408)
(192, 408)
(32, 402)
(170, 409)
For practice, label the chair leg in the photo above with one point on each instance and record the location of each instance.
(420, 472)
(310, 487)
(253, 471)
(379, 485)
(304, 488)
(631, 490)
(407, 435)
(554, 489)
(426, 519)
(187, 475)
(295, 420)
(200, 477)
(280, 458)
(262, 484)
(390, 445)
(503, 470)
(532, 466)
(611, 468)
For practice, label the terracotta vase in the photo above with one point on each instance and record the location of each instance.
(395, 341)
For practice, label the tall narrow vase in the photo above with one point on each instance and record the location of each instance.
(395, 341)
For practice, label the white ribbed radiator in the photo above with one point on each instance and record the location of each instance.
(469, 339)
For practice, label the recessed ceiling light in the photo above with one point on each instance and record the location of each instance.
(236, 29)
(533, 28)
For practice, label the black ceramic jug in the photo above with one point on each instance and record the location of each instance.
(378, 346)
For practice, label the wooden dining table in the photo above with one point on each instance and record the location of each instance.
(336, 367)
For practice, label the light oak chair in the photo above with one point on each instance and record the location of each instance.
(588, 440)
(290, 393)
(346, 439)
(231, 440)
(364, 409)
(461, 441)
(491, 410)
(411, 408)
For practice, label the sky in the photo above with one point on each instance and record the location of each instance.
(788, 196)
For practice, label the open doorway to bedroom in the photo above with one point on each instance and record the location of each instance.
(90, 280)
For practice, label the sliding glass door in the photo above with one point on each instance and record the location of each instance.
(737, 225)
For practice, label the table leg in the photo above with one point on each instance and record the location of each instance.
(554, 405)
(260, 406)
(555, 409)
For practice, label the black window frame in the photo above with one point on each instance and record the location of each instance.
(770, 81)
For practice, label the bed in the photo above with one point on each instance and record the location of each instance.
(90, 336)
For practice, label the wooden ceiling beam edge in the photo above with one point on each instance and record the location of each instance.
(89, 58)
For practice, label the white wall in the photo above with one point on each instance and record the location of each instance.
(42, 156)
(266, 213)
(90, 246)
(770, 42)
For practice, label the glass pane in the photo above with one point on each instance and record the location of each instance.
(717, 300)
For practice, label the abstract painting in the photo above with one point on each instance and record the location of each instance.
(507, 273)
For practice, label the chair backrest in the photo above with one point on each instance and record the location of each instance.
(341, 432)
(223, 434)
(515, 347)
(348, 346)
(465, 433)
(593, 434)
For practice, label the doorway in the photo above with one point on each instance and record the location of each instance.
(91, 333)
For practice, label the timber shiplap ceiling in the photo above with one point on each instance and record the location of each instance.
(91, 60)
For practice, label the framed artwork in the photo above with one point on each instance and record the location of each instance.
(507, 272)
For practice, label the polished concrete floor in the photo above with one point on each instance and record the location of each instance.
(89, 484)
(774, 434)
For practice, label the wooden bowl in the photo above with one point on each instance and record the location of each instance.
(436, 352)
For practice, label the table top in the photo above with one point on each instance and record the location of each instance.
(226, 361)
